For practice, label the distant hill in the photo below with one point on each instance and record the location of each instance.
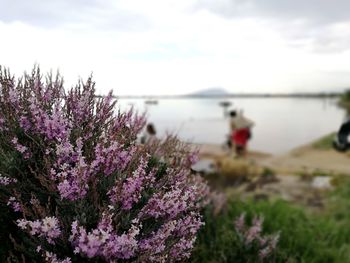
(212, 92)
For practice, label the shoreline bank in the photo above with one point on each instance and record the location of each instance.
(307, 158)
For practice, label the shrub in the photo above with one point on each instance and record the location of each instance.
(75, 186)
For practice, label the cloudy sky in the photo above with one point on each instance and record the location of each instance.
(161, 47)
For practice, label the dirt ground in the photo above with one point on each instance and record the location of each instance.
(301, 175)
(305, 158)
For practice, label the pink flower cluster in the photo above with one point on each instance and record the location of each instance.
(252, 235)
(2, 124)
(6, 180)
(53, 125)
(129, 191)
(21, 148)
(47, 227)
(104, 241)
(111, 157)
(50, 257)
(70, 170)
(180, 196)
(184, 229)
(12, 202)
(113, 199)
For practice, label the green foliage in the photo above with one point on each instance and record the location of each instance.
(304, 236)
(267, 172)
(324, 143)
(346, 96)
(344, 101)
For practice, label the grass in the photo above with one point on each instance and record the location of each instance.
(324, 143)
(305, 236)
(232, 172)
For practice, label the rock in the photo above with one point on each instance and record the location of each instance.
(322, 182)
(204, 166)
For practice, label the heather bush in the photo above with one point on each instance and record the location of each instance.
(76, 187)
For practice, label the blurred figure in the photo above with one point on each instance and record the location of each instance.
(240, 132)
(341, 141)
(149, 135)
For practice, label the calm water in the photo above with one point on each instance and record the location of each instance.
(281, 124)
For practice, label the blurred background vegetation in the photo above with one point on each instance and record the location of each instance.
(306, 235)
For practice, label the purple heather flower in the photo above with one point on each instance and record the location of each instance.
(104, 242)
(156, 242)
(129, 191)
(13, 96)
(71, 171)
(192, 158)
(52, 126)
(172, 202)
(6, 180)
(25, 123)
(12, 202)
(240, 223)
(2, 123)
(253, 234)
(50, 257)
(38, 248)
(85, 150)
(47, 227)
(19, 147)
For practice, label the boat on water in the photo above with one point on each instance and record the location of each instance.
(151, 102)
(225, 104)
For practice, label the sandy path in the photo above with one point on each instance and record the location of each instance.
(301, 159)
(309, 159)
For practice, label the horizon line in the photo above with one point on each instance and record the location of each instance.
(235, 95)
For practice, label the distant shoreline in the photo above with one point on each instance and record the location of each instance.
(229, 96)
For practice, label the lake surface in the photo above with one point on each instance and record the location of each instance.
(281, 124)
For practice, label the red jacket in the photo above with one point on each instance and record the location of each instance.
(240, 136)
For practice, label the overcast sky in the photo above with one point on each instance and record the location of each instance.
(161, 47)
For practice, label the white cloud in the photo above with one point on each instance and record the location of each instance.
(168, 47)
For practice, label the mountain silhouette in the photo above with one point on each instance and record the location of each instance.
(210, 92)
